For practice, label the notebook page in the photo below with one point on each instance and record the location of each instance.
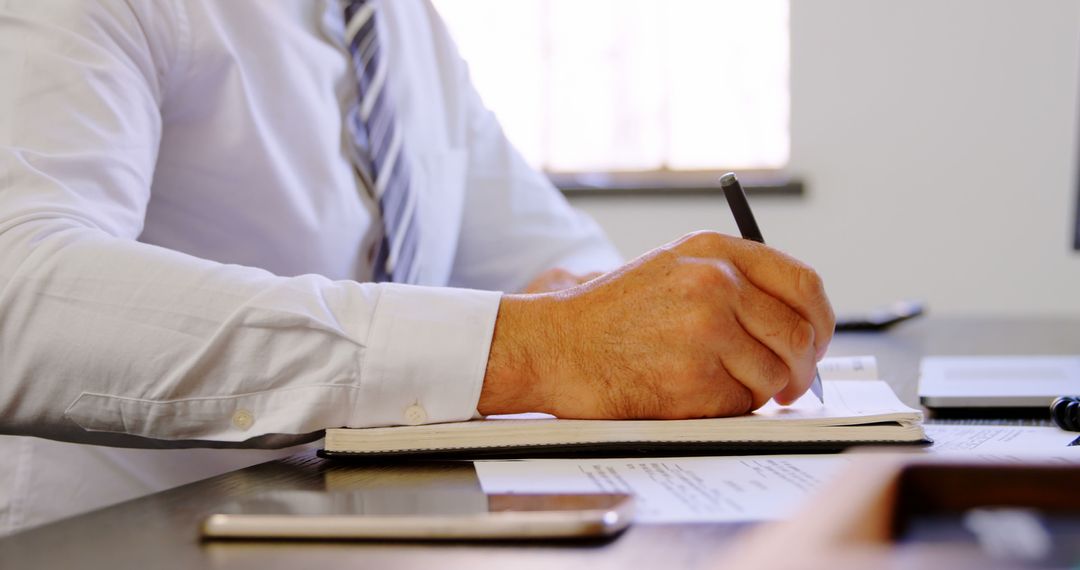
(676, 489)
(844, 398)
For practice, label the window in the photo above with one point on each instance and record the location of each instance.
(633, 87)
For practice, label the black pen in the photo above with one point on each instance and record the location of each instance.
(744, 218)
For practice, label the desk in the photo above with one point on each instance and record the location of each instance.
(160, 531)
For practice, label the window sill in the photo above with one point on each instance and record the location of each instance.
(590, 185)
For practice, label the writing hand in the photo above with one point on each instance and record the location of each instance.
(709, 325)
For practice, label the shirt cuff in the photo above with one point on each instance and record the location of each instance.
(426, 355)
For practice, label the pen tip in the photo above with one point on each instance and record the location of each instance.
(729, 179)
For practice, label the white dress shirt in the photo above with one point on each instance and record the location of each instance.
(184, 243)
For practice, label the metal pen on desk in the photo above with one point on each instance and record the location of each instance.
(744, 218)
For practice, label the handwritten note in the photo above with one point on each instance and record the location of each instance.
(1003, 442)
(670, 490)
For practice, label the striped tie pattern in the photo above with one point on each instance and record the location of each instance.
(377, 149)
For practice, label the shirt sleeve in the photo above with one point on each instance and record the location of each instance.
(107, 340)
(516, 224)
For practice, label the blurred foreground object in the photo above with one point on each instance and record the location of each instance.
(897, 511)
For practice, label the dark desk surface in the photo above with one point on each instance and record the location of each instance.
(160, 531)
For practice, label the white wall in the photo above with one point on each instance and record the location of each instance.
(937, 140)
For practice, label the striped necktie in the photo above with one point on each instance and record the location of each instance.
(376, 144)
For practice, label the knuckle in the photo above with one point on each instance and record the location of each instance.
(705, 240)
(809, 282)
(801, 338)
(704, 277)
(698, 324)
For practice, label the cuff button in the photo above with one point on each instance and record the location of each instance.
(415, 415)
(242, 419)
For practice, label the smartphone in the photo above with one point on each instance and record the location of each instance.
(881, 319)
(405, 514)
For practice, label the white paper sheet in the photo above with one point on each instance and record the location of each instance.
(1002, 442)
(755, 488)
(750, 488)
(672, 490)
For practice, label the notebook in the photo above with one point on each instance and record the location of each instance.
(856, 412)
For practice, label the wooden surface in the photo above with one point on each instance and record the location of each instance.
(160, 531)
